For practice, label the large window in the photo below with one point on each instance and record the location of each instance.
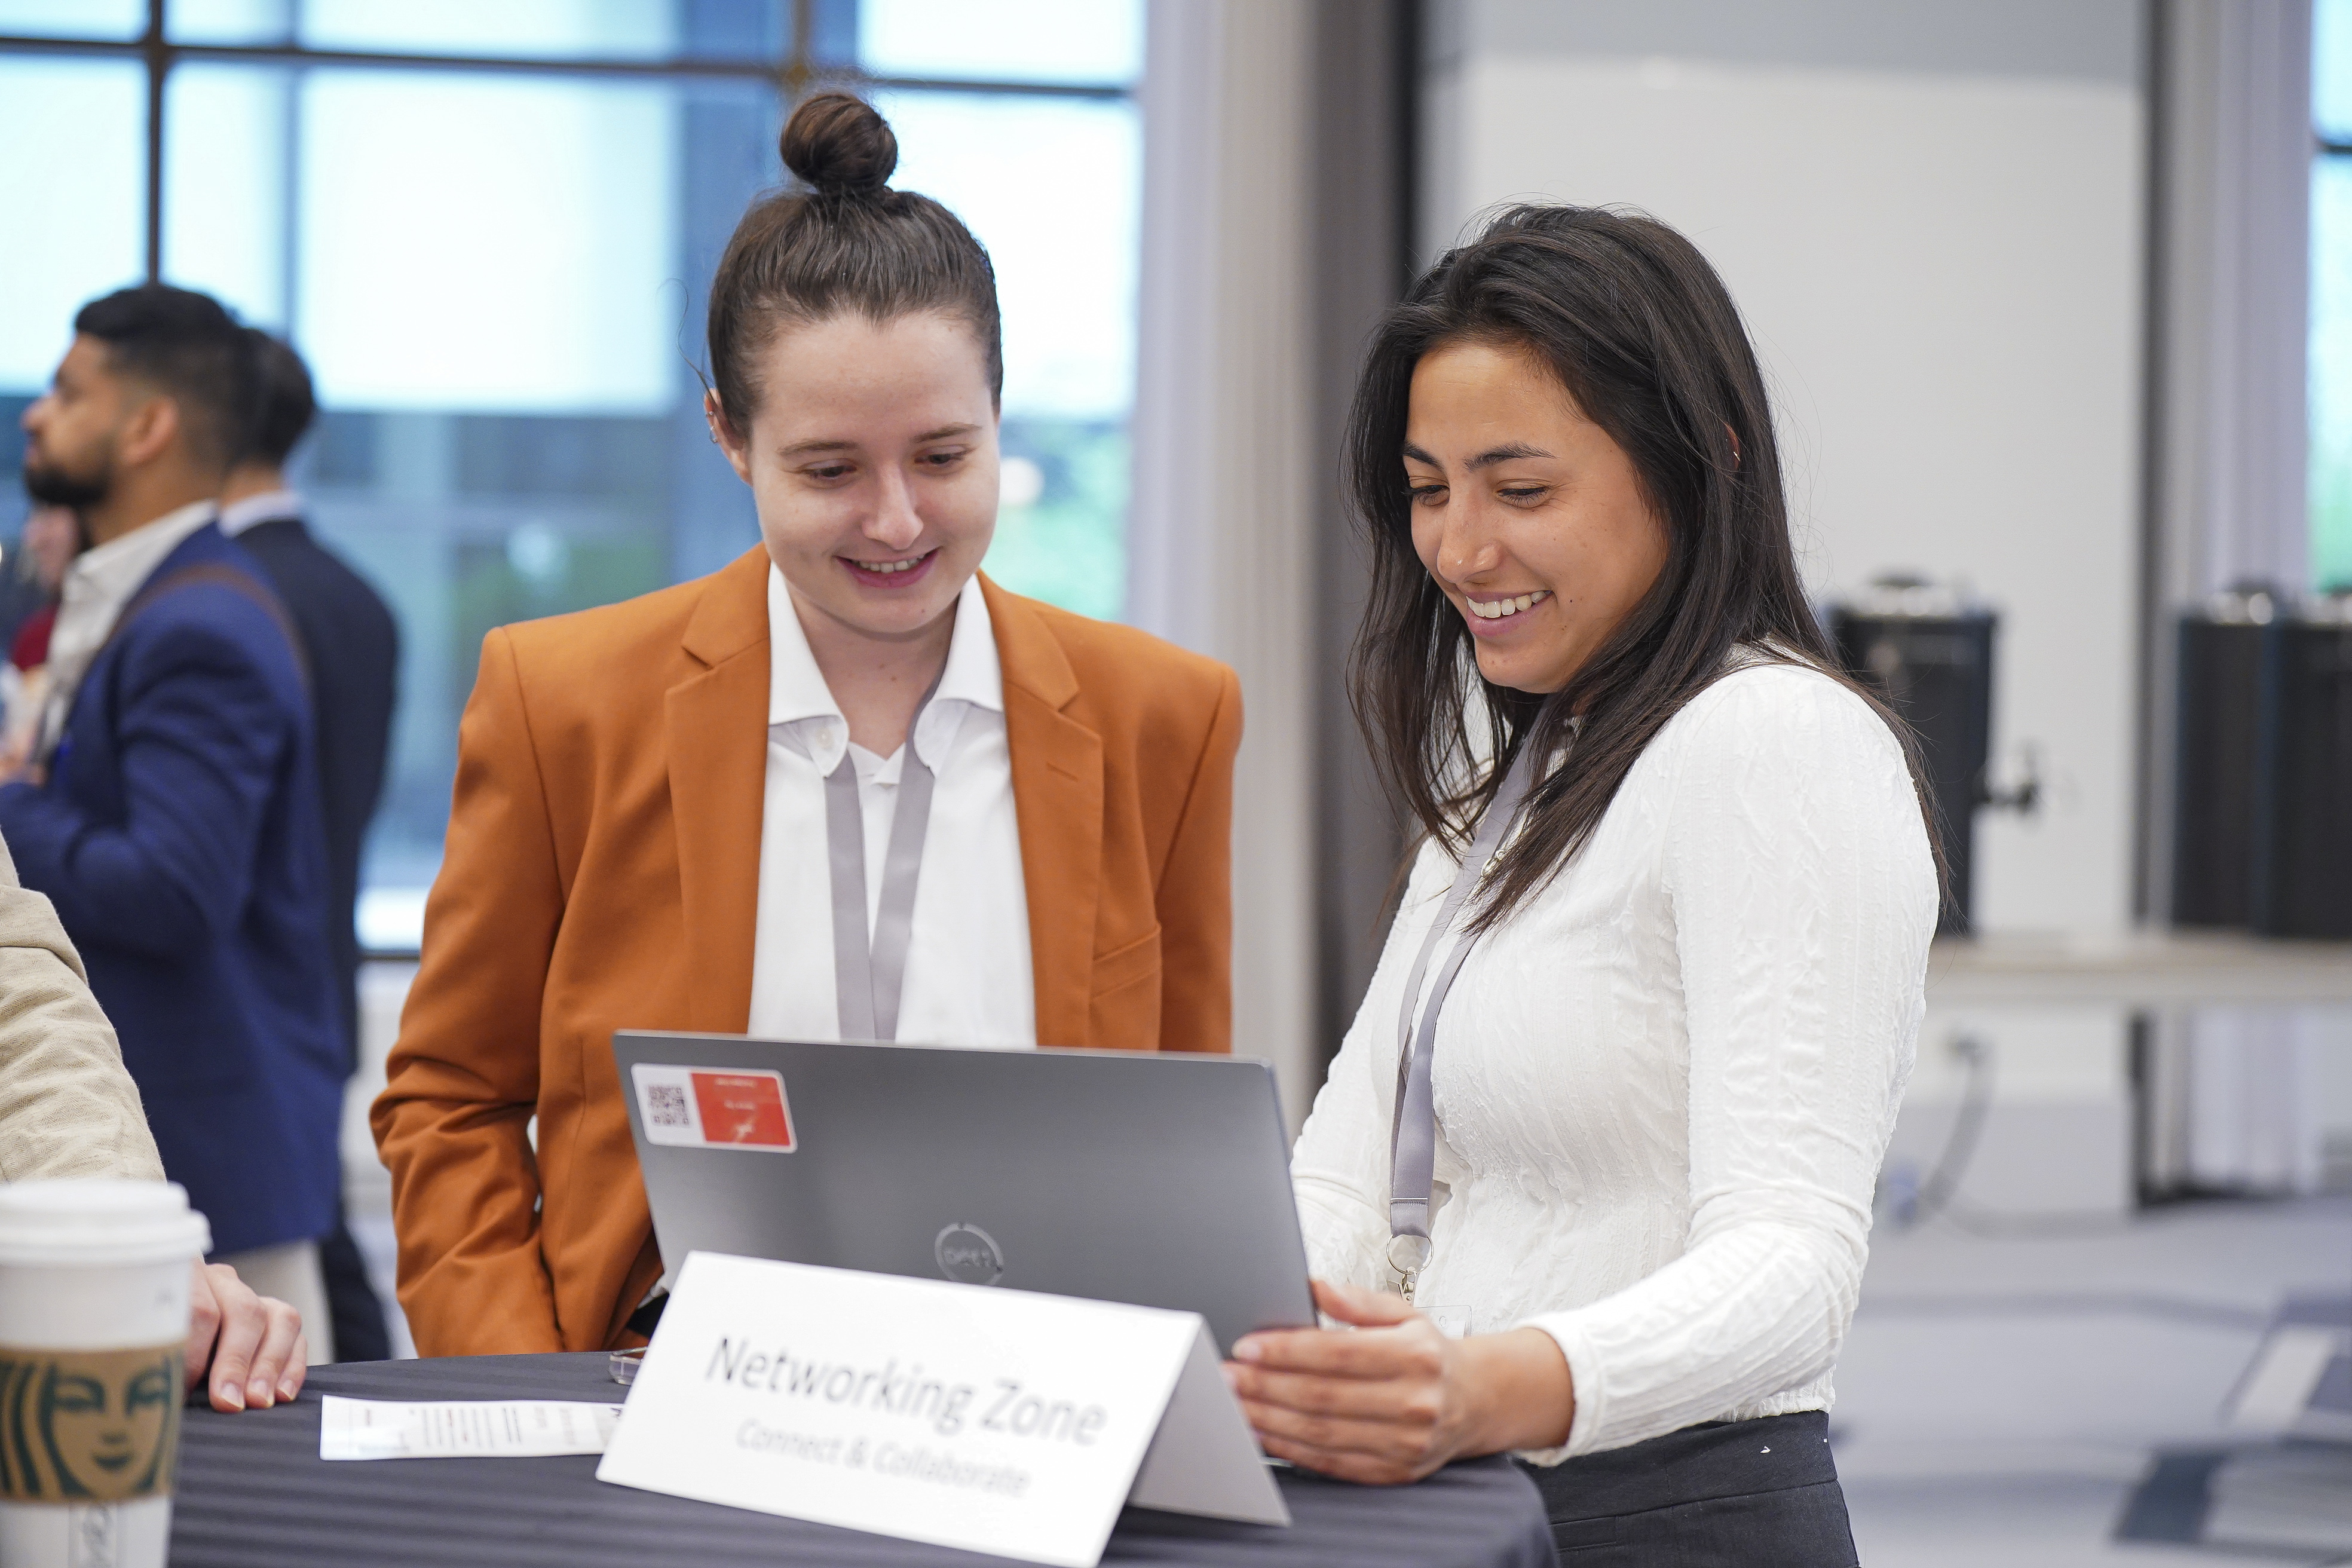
(489, 226)
(2331, 297)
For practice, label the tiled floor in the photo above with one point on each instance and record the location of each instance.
(2001, 1393)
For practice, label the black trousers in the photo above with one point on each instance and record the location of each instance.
(1727, 1494)
(361, 1331)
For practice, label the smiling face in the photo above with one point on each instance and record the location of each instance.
(103, 1434)
(1529, 517)
(105, 1422)
(872, 460)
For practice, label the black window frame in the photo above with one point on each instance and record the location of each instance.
(806, 65)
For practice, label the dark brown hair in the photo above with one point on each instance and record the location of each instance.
(288, 403)
(842, 241)
(1641, 333)
(186, 346)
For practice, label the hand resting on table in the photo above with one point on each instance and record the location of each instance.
(252, 1346)
(1391, 1399)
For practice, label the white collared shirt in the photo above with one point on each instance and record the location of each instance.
(266, 507)
(968, 979)
(97, 585)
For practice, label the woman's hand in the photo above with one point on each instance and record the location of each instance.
(250, 1347)
(1393, 1399)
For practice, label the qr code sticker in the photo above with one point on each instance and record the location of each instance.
(666, 1105)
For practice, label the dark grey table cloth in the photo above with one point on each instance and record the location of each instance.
(253, 1493)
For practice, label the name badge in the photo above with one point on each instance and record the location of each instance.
(991, 1420)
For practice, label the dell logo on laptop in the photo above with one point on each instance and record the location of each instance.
(969, 1255)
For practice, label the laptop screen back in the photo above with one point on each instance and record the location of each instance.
(1123, 1177)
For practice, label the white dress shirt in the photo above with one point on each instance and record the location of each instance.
(968, 979)
(97, 587)
(1665, 1085)
(266, 507)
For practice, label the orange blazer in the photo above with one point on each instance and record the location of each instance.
(601, 873)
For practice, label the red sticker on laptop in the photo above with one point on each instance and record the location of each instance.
(713, 1108)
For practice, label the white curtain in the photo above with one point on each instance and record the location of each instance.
(2235, 281)
(2254, 1123)
(1221, 528)
(2229, 1089)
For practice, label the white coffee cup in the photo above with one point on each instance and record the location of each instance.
(94, 1278)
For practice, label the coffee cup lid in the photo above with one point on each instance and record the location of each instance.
(99, 1221)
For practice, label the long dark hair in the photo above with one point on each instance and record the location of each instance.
(843, 241)
(1641, 333)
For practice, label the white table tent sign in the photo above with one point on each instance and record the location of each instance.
(991, 1420)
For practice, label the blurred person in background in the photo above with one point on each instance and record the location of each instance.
(647, 792)
(24, 587)
(51, 540)
(69, 1111)
(352, 646)
(170, 809)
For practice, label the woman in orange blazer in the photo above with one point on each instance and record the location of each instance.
(624, 850)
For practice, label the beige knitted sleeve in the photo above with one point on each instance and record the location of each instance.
(67, 1106)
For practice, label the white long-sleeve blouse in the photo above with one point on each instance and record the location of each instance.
(1665, 1085)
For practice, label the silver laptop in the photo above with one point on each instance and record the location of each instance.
(1114, 1175)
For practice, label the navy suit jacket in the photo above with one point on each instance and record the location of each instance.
(354, 647)
(179, 836)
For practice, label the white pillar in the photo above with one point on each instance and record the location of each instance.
(2234, 276)
(2231, 1104)
(1220, 528)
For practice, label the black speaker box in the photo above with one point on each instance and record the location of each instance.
(2309, 889)
(2221, 828)
(1934, 670)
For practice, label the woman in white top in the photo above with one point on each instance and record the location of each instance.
(1690, 978)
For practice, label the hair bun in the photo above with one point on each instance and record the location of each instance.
(839, 145)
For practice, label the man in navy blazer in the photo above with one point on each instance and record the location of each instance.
(352, 645)
(349, 637)
(170, 809)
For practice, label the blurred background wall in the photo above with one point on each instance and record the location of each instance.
(2035, 285)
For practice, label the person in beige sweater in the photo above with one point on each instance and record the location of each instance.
(67, 1109)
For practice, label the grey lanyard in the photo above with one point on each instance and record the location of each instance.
(1413, 1131)
(866, 977)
